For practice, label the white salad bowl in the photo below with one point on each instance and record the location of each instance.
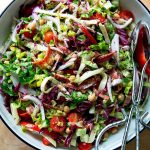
(114, 141)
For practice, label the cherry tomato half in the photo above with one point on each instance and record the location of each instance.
(99, 17)
(45, 141)
(58, 124)
(85, 146)
(126, 14)
(48, 37)
(73, 117)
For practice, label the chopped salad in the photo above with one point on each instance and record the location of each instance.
(66, 69)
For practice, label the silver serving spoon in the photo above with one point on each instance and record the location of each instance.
(136, 99)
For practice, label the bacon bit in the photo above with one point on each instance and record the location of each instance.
(69, 71)
(71, 86)
(65, 50)
(97, 54)
(104, 58)
(87, 33)
(61, 78)
(106, 97)
(45, 60)
(47, 106)
(83, 86)
(115, 75)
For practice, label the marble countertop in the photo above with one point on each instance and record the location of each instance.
(9, 142)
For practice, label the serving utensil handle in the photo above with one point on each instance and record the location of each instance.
(127, 128)
(137, 119)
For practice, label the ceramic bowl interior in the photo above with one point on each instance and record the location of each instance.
(114, 141)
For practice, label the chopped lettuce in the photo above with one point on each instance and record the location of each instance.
(127, 83)
(86, 15)
(102, 46)
(100, 37)
(125, 60)
(111, 30)
(91, 64)
(26, 19)
(81, 37)
(78, 97)
(14, 107)
(128, 88)
(8, 87)
(108, 65)
(38, 120)
(146, 84)
(24, 105)
(37, 80)
(125, 64)
(24, 70)
(76, 1)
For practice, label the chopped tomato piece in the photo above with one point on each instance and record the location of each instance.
(58, 124)
(105, 57)
(23, 114)
(84, 146)
(126, 14)
(88, 34)
(49, 36)
(45, 141)
(99, 17)
(73, 117)
(30, 126)
(45, 60)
